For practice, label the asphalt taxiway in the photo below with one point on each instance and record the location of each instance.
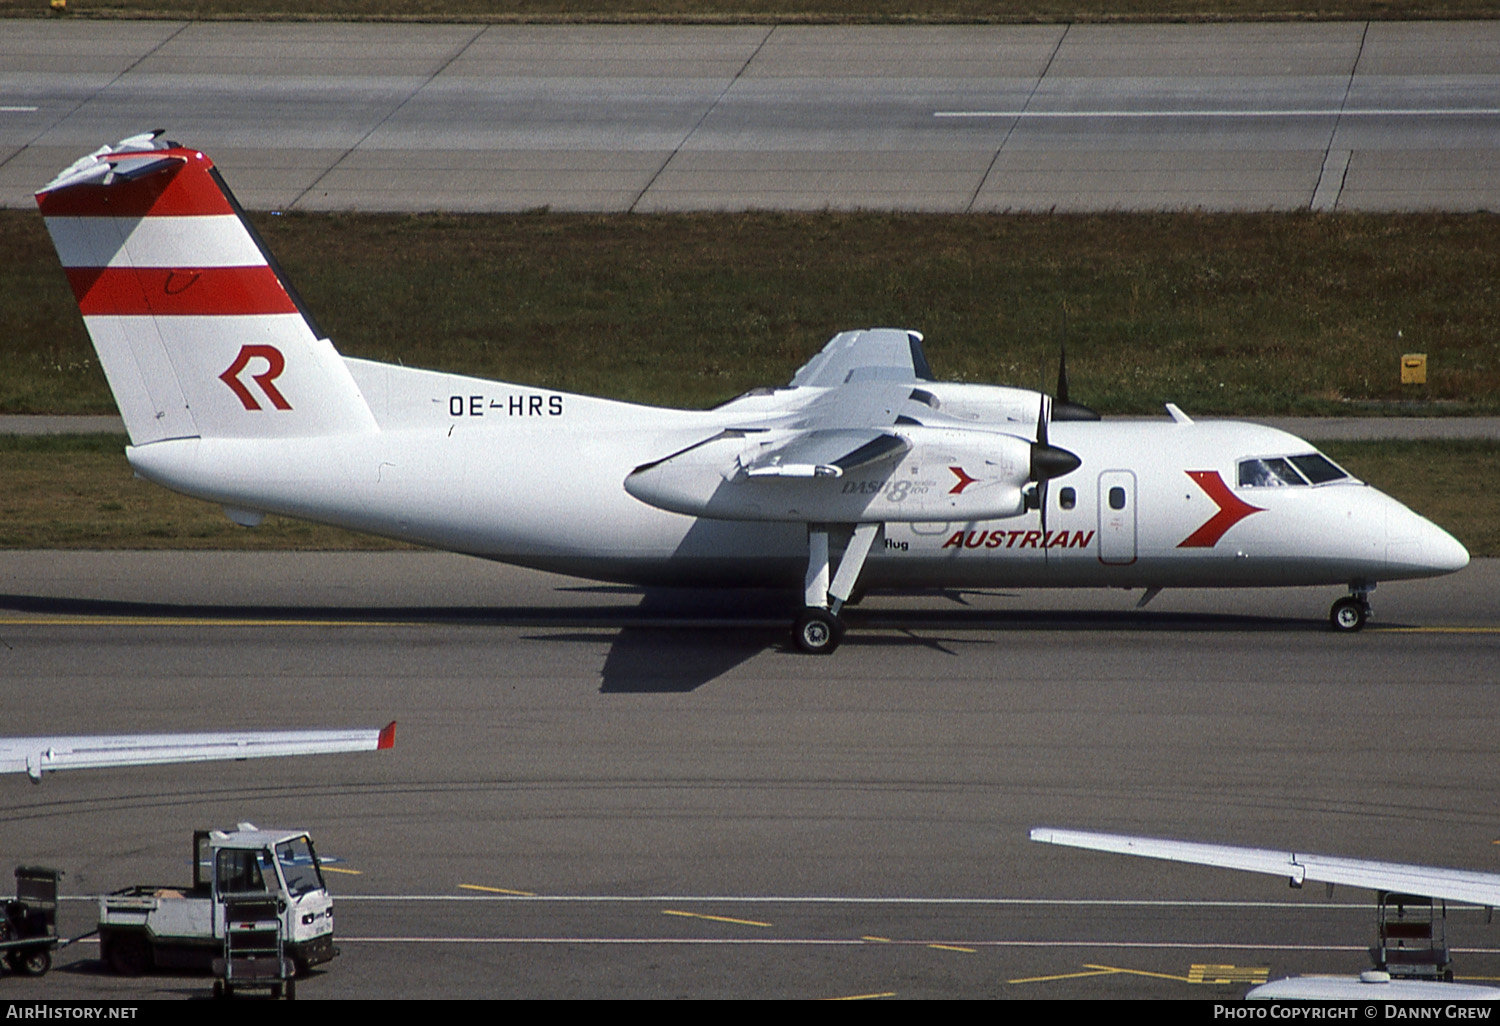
(600, 792)
(1323, 116)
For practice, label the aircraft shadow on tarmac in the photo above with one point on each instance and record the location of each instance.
(677, 640)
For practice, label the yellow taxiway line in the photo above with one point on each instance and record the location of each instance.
(714, 919)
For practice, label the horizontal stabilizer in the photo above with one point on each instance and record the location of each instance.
(1297, 867)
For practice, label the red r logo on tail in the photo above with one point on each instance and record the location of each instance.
(275, 364)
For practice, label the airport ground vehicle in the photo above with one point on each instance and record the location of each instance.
(28, 923)
(146, 926)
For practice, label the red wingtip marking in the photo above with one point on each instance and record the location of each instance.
(1231, 510)
(387, 736)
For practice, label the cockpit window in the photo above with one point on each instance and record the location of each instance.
(1317, 468)
(1281, 472)
(1268, 473)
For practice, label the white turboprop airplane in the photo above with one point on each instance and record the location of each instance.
(37, 755)
(1298, 868)
(862, 473)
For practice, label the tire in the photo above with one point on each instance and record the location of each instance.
(35, 962)
(817, 632)
(1348, 615)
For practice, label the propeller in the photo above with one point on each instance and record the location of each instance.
(1062, 409)
(1048, 461)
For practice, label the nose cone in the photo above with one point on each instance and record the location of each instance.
(1048, 461)
(1445, 553)
(1416, 547)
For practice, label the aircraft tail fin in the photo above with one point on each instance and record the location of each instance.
(195, 326)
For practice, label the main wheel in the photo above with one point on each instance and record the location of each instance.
(1348, 614)
(817, 632)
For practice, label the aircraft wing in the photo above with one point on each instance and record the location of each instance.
(879, 354)
(37, 755)
(1297, 867)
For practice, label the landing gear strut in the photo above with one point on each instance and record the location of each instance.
(818, 630)
(1350, 612)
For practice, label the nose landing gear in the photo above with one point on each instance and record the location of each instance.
(1349, 613)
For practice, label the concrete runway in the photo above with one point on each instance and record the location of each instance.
(1347, 115)
(603, 793)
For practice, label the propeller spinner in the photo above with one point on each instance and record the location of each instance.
(1048, 461)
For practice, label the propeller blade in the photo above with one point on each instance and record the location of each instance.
(1063, 409)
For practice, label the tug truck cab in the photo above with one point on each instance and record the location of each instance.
(148, 927)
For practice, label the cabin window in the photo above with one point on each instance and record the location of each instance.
(240, 871)
(1067, 498)
(1117, 498)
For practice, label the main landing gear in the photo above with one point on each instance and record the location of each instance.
(1349, 613)
(818, 630)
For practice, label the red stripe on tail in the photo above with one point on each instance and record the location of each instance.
(124, 291)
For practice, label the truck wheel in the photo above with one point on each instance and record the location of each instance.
(128, 954)
(35, 962)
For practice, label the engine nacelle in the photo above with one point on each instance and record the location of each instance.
(946, 475)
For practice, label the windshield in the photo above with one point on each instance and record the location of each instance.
(300, 866)
(1288, 471)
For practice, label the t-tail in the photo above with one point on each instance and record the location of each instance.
(196, 328)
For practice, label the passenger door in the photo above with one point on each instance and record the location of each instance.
(1117, 524)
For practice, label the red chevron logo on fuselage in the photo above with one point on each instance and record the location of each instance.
(964, 480)
(1231, 510)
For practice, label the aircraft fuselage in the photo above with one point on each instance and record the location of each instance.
(535, 477)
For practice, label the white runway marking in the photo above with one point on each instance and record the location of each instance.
(721, 899)
(1430, 112)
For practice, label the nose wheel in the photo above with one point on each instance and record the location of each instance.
(1349, 614)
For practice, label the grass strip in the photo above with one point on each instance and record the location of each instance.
(77, 492)
(1221, 313)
